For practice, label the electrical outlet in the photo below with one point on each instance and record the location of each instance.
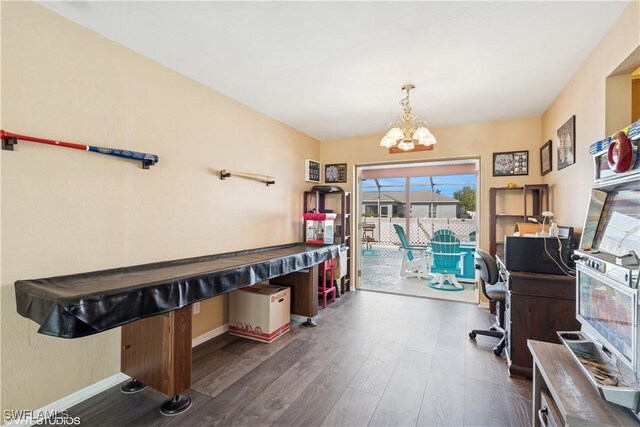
(196, 307)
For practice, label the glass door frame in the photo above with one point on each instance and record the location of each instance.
(358, 205)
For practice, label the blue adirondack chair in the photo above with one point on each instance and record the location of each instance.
(415, 259)
(443, 232)
(448, 261)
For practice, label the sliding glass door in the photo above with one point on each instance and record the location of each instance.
(422, 199)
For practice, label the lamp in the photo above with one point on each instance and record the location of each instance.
(545, 214)
(409, 131)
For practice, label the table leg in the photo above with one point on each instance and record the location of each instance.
(157, 351)
(304, 290)
(537, 384)
(132, 386)
(176, 405)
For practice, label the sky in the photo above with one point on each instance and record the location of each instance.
(422, 183)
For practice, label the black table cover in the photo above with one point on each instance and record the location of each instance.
(88, 303)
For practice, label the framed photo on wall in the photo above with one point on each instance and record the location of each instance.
(335, 173)
(311, 171)
(545, 158)
(567, 143)
(510, 163)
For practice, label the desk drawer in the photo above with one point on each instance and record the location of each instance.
(548, 414)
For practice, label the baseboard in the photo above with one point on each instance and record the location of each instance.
(70, 400)
(74, 398)
(210, 335)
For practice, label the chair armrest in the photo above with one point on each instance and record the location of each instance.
(449, 254)
(417, 247)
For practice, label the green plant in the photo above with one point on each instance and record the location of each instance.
(467, 198)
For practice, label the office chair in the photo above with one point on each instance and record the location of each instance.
(494, 291)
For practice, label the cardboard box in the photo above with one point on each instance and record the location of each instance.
(260, 312)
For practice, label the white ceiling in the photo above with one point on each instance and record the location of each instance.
(334, 69)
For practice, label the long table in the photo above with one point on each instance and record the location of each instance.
(152, 303)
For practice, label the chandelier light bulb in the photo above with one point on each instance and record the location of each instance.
(428, 140)
(406, 145)
(388, 142)
(421, 132)
(395, 133)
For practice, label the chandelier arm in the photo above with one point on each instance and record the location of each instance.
(393, 124)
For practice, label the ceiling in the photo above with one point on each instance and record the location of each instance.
(334, 69)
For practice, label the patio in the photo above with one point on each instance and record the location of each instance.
(380, 267)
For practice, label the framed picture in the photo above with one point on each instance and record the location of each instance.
(510, 163)
(311, 171)
(335, 173)
(545, 158)
(567, 143)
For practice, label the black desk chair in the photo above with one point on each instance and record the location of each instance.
(494, 291)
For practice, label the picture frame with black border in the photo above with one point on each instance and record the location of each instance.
(510, 163)
(312, 170)
(546, 158)
(335, 173)
(567, 144)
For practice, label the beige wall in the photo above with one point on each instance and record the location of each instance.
(66, 211)
(214, 313)
(585, 97)
(479, 140)
(617, 103)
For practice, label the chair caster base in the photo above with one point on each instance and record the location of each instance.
(309, 323)
(472, 335)
(132, 386)
(497, 351)
(176, 405)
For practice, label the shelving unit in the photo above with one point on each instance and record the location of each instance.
(535, 200)
(340, 204)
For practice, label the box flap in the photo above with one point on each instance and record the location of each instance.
(264, 289)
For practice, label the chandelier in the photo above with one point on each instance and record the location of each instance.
(409, 131)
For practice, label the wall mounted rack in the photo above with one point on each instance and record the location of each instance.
(260, 178)
(9, 140)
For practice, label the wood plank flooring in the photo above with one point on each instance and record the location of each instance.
(374, 359)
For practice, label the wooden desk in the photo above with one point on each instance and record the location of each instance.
(562, 395)
(537, 306)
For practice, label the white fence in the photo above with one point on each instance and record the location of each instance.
(422, 229)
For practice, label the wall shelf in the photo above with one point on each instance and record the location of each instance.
(538, 194)
(340, 202)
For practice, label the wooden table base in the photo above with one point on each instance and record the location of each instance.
(156, 351)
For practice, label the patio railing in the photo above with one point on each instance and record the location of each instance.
(422, 229)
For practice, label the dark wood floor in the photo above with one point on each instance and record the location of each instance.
(374, 359)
